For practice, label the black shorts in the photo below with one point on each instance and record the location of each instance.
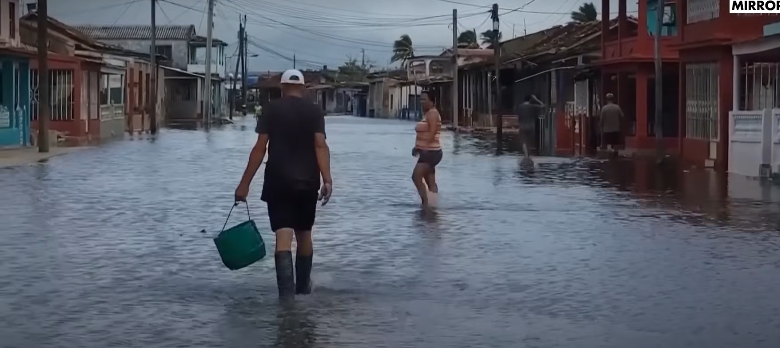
(612, 138)
(293, 209)
(430, 157)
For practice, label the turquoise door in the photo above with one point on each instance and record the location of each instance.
(14, 103)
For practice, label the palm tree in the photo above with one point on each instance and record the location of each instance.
(487, 37)
(586, 13)
(468, 37)
(402, 49)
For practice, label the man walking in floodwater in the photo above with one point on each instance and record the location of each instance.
(299, 158)
(610, 124)
(527, 114)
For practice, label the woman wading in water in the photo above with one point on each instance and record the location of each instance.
(427, 149)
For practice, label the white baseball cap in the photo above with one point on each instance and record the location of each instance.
(292, 77)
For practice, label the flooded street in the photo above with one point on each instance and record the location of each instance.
(102, 248)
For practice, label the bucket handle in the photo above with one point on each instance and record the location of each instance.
(231, 211)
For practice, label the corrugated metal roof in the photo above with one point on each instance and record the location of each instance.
(137, 32)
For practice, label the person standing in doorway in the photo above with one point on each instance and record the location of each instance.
(298, 160)
(610, 124)
(427, 149)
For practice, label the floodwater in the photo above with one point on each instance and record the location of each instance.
(102, 248)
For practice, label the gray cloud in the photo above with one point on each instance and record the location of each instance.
(318, 34)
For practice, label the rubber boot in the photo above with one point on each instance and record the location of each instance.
(303, 282)
(285, 278)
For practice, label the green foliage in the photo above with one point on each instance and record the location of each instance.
(586, 13)
(403, 49)
(487, 37)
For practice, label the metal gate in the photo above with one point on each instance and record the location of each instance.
(545, 128)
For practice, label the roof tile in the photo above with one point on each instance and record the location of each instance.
(137, 32)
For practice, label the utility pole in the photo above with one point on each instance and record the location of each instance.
(239, 56)
(497, 62)
(455, 84)
(44, 107)
(244, 56)
(209, 38)
(153, 75)
(293, 60)
(363, 61)
(659, 137)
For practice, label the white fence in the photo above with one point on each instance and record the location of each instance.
(749, 142)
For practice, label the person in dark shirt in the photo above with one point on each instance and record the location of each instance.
(292, 129)
(527, 114)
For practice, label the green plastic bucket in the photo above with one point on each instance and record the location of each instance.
(240, 245)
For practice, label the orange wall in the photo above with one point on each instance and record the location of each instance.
(77, 127)
(727, 27)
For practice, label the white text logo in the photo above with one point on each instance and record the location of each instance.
(754, 6)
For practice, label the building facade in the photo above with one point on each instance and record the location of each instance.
(14, 79)
(181, 48)
(717, 75)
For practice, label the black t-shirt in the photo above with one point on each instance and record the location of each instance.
(291, 123)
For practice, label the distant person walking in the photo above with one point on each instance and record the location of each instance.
(299, 158)
(427, 149)
(610, 124)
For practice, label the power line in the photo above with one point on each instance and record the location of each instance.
(97, 9)
(519, 9)
(316, 33)
(333, 21)
(202, 16)
(271, 51)
(170, 21)
(122, 13)
(163, 12)
(338, 40)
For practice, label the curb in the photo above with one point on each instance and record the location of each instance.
(25, 157)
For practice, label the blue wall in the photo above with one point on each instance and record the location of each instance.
(14, 101)
(670, 17)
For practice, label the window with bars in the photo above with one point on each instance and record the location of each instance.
(60, 95)
(702, 102)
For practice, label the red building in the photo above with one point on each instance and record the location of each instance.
(710, 75)
(628, 72)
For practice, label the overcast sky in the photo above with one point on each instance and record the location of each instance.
(319, 34)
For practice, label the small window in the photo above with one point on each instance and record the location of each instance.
(165, 50)
(12, 20)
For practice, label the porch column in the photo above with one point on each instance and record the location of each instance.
(682, 109)
(24, 98)
(8, 91)
(735, 83)
(641, 32)
(604, 25)
(642, 76)
(724, 95)
(623, 30)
